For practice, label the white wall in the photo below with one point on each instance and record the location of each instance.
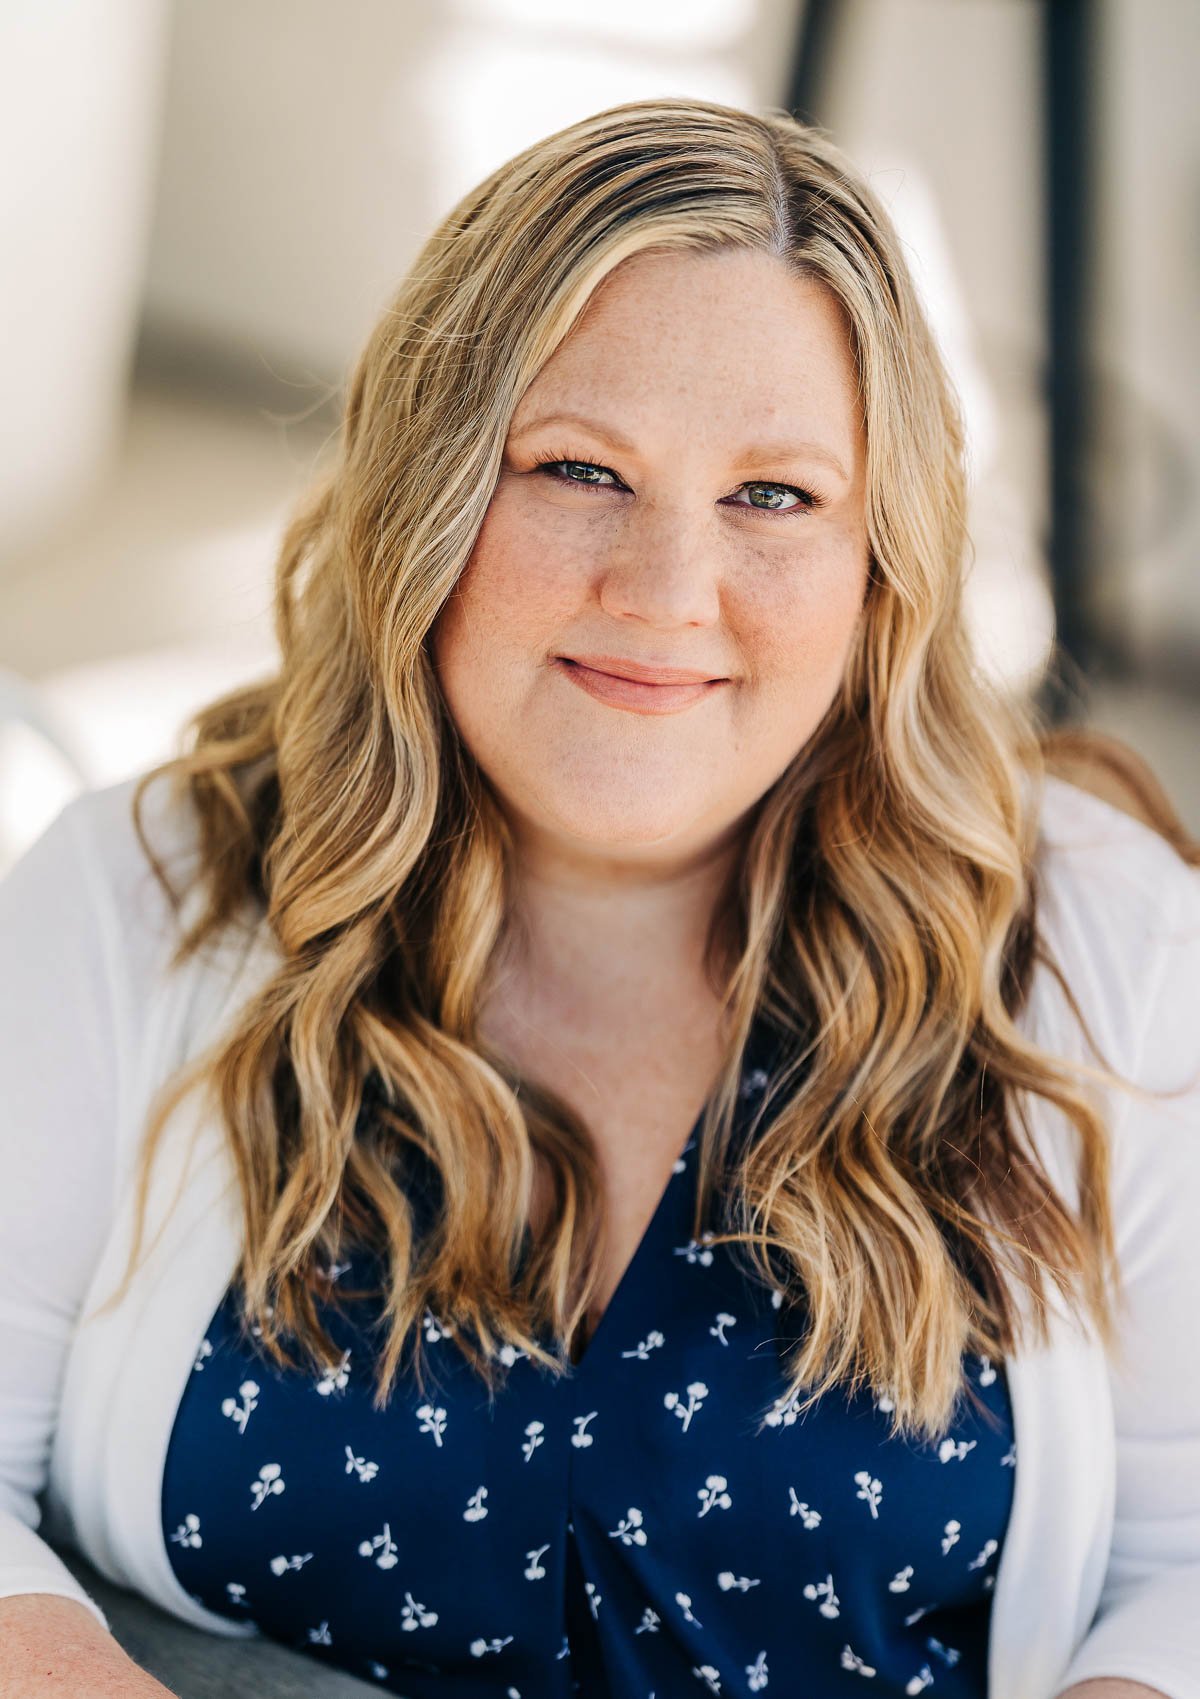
(309, 148)
(80, 88)
(937, 101)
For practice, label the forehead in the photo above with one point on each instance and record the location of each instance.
(724, 343)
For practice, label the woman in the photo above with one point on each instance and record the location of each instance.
(650, 1087)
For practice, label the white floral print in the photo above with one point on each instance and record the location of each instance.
(336, 1378)
(697, 1392)
(433, 1420)
(381, 1547)
(238, 1409)
(629, 1530)
(869, 1488)
(359, 1466)
(852, 1661)
(270, 1482)
(666, 1497)
(823, 1590)
(581, 1437)
(643, 1349)
(713, 1492)
(727, 1579)
(188, 1531)
(413, 1615)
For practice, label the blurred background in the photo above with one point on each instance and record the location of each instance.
(205, 204)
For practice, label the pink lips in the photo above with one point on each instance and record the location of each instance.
(645, 672)
(636, 694)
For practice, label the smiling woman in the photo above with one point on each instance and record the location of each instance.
(631, 963)
(670, 563)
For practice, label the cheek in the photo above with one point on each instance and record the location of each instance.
(518, 581)
(513, 598)
(806, 623)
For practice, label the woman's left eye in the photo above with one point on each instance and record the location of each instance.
(805, 500)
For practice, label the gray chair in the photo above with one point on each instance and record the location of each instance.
(196, 1665)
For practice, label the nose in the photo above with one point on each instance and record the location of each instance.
(662, 575)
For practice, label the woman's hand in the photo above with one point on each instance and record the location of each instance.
(1115, 1688)
(54, 1648)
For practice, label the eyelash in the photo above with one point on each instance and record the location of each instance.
(809, 500)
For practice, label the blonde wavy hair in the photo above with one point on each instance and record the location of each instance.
(882, 915)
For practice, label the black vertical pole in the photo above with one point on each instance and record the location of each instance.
(811, 60)
(1068, 85)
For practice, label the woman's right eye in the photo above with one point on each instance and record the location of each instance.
(550, 466)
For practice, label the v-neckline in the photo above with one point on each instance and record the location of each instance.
(649, 1232)
(759, 1048)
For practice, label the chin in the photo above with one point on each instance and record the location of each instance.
(625, 827)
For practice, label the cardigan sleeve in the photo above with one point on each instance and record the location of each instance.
(84, 928)
(1147, 1624)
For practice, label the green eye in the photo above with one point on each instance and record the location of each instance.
(574, 467)
(564, 469)
(804, 498)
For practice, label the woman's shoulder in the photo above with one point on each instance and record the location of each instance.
(1077, 823)
(1119, 910)
(161, 999)
(1090, 852)
(96, 830)
(104, 815)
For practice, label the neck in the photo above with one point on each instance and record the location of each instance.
(595, 939)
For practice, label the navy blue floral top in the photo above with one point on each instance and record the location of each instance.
(623, 1531)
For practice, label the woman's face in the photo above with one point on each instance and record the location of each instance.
(691, 391)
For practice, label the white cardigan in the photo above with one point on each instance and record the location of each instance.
(1100, 1571)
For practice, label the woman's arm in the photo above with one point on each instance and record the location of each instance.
(1128, 922)
(84, 929)
(54, 1648)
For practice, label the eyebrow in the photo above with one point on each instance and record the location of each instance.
(778, 450)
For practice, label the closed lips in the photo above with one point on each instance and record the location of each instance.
(615, 667)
